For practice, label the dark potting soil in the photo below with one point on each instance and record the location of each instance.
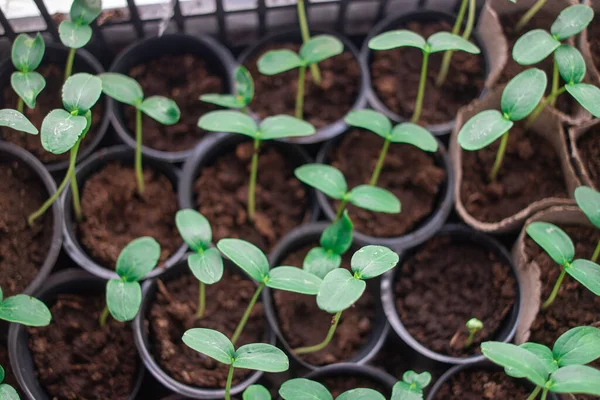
(23, 249)
(76, 359)
(411, 174)
(304, 324)
(482, 384)
(173, 312)
(48, 100)
(9, 377)
(323, 105)
(530, 172)
(593, 35)
(341, 383)
(183, 79)
(396, 73)
(436, 296)
(114, 213)
(222, 194)
(589, 148)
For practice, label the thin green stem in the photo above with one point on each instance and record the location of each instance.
(242, 324)
(499, 157)
(340, 210)
(324, 343)
(20, 104)
(596, 252)
(74, 186)
(228, 385)
(252, 185)
(380, 162)
(421, 92)
(314, 68)
(555, 82)
(469, 341)
(69, 65)
(201, 301)
(538, 110)
(441, 78)
(545, 393)
(300, 93)
(529, 14)
(535, 392)
(139, 173)
(104, 317)
(550, 300)
(470, 21)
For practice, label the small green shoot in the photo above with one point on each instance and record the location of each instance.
(7, 392)
(302, 388)
(256, 392)
(588, 201)
(244, 92)
(23, 309)
(473, 326)
(411, 387)
(27, 54)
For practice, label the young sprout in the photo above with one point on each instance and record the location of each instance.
(23, 309)
(519, 98)
(411, 387)
(206, 263)
(64, 129)
(244, 92)
(124, 295)
(256, 356)
(301, 388)
(588, 201)
(278, 127)
(126, 90)
(406, 132)
(440, 41)
(313, 51)
(341, 289)
(560, 370)
(304, 31)
(256, 392)
(254, 263)
(7, 392)
(558, 245)
(473, 326)
(27, 55)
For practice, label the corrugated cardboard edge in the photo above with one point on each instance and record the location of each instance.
(584, 47)
(574, 135)
(489, 32)
(548, 126)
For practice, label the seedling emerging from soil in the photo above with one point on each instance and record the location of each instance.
(126, 90)
(560, 370)
(23, 309)
(313, 51)
(278, 127)
(124, 295)
(402, 133)
(15, 120)
(589, 201)
(64, 129)
(256, 356)
(299, 388)
(244, 92)
(256, 392)
(206, 263)
(473, 326)
(558, 245)
(440, 41)
(341, 289)
(27, 54)
(519, 98)
(254, 263)
(411, 387)
(7, 392)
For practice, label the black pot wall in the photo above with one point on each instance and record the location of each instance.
(348, 369)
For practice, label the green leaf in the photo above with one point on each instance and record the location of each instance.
(85, 11)
(25, 310)
(571, 64)
(194, 228)
(73, 35)
(371, 120)
(404, 391)
(553, 240)
(1, 295)
(325, 178)
(587, 95)
(483, 129)
(339, 291)
(587, 273)
(123, 299)
(521, 361)
(319, 48)
(571, 21)
(399, 38)
(223, 100)
(576, 379)
(415, 135)
(28, 86)
(372, 261)
(589, 201)
(7, 392)
(293, 279)
(122, 88)
(1, 374)
(374, 198)
(207, 266)
(246, 256)
(256, 392)
(229, 121)
(161, 109)
(579, 345)
(523, 93)
(28, 52)
(421, 380)
(17, 121)
(138, 258)
(61, 130)
(361, 394)
(337, 237)
(320, 261)
(534, 46)
(210, 343)
(543, 353)
(304, 389)
(261, 357)
(284, 126)
(244, 85)
(277, 61)
(80, 92)
(443, 41)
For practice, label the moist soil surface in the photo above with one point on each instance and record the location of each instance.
(302, 323)
(23, 249)
(341, 383)
(395, 76)
(76, 359)
(435, 296)
(323, 105)
(530, 172)
(282, 201)
(411, 174)
(183, 79)
(114, 213)
(589, 148)
(173, 312)
(481, 384)
(48, 100)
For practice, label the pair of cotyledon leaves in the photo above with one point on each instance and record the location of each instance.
(440, 41)
(23, 309)
(76, 33)
(244, 91)
(7, 392)
(27, 54)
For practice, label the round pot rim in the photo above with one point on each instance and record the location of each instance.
(72, 244)
(369, 371)
(389, 306)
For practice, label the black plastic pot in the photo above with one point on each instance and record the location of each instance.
(217, 57)
(399, 22)
(353, 370)
(426, 229)
(95, 163)
(84, 62)
(293, 36)
(143, 344)
(459, 233)
(70, 281)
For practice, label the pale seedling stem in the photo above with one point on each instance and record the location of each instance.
(324, 343)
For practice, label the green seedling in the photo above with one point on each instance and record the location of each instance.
(406, 132)
(126, 90)
(558, 245)
(519, 98)
(588, 201)
(244, 92)
(256, 392)
(278, 127)
(256, 356)
(255, 264)
(64, 129)
(23, 309)
(206, 263)
(473, 326)
(7, 392)
(560, 370)
(411, 387)
(440, 41)
(124, 295)
(27, 55)
(341, 289)
(302, 388)
(305, 32)
(313, 51)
